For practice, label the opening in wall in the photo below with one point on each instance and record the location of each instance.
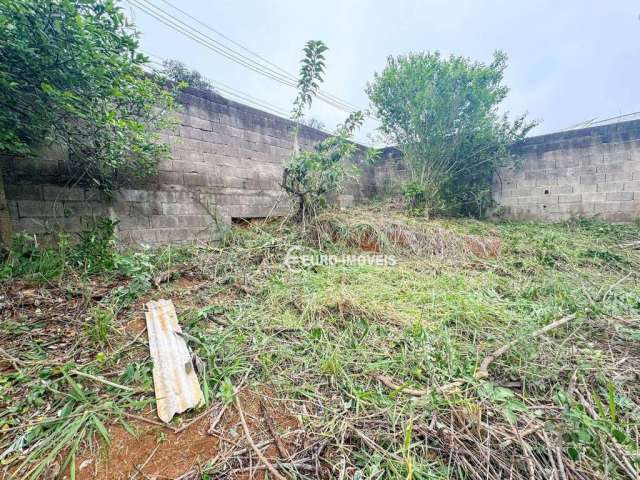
(245, 221)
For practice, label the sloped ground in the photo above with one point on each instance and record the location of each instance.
(351, 370)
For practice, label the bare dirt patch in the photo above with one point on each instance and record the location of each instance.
(159, 452)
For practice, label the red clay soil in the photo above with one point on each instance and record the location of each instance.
(368, 244)
(159, 453)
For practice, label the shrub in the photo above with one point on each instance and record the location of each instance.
(70, 74)
(93, 252)
(443, 115)
(311, 175)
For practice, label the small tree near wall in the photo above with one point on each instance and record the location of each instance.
(443, 115)
(70, 74)
(311, 175)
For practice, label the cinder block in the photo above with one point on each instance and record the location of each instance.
(616, 155)
(183, 209)
(571, 159)
(591, 159)
(592, 179)
(13, 209)
(182, 155)
(52, 192)
(607, 207)
(29, 225)
(594, 197)
(576, 208)
(165, 221)
(165, 164)
(547, 181)
(23, 192)
(94, 195)
(191, 167)
(138, 209)
(169, 235)
(170, 178)
(195, 122)
(132, 195)
(54, 153)
(576, 172)
(39, 209)
(570, 198)
(631, 186)
(619, 196)
(610, 187)
(71, 224)
(126, 222)
(610, 167)
(201, 221)
(195, 179)
(619, 176)
(554, 189)
(73, 209)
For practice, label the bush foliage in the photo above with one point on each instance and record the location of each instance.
(70, 73)
(443, 113)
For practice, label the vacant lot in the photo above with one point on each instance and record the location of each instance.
(430, 362)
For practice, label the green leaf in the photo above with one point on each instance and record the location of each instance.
(102, 430)
(573, 454)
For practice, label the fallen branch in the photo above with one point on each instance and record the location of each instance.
(215, 420)
(255, 448)
(386, 381)
(140, 468)
(198, 417)
(483, 371)
(272, 430)
(373, 445)
(102, 380)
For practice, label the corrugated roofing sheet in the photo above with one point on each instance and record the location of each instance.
(174, 378)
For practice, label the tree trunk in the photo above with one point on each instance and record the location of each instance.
(5, 219)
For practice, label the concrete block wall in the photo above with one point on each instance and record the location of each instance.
(590, 172)
(226, 162)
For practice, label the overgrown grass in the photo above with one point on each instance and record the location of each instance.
(323, 336)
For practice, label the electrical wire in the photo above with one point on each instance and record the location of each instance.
(251, 52)
(190, 32)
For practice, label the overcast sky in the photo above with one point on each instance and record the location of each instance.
(569, 60)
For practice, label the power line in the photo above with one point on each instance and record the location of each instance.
(190, 32)
(246, 98)
(197, 36)
(251, 52)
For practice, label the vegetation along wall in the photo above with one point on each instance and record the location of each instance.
(227, 159)
(589, 172)
(226, 163)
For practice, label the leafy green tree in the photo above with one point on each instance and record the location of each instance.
(311, 175)
(177, 72)
(443, 113)
(70, 75)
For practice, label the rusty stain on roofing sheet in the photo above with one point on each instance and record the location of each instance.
(174, 379)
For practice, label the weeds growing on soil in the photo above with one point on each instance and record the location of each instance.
(379, 364)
